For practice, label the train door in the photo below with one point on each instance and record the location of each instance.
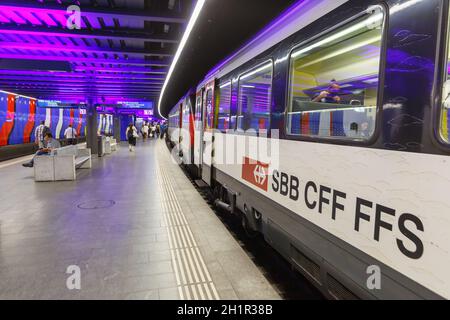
(187, 131)
(198, 132)
(208, 132)
(179, 124)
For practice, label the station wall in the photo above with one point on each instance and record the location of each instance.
(19, 117)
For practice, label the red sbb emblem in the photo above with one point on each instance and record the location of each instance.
(257, 173)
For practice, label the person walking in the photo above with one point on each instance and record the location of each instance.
(71, 135)
(132, 135)
(158, 130)
(163, 130)
(144, 131)
(152, 130)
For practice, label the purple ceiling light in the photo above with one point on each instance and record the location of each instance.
(69, 80)
(90, 12)
(82, 49)
(82, 59)
(79, 75)
(38, 31)
(104, 58)
(120, 69)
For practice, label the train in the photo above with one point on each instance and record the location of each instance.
(349, 103)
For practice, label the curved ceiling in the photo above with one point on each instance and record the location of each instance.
(222, 28)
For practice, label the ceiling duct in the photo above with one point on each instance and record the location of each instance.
(35, 65)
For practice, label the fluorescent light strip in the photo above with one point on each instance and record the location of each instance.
(342, 51)
(17, 95)
(374, 80)
(187, 33)
(248, 75)
(403, 6)
(363, 24)
(225, 85)
(356, 109)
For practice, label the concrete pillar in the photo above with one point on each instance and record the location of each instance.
(117, 127)
(92, 126)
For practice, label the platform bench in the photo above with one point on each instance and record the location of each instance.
(62, 164)
(111, 145)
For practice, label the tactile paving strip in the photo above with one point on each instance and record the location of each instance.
(193, 278)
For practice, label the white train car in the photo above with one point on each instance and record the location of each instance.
(328, 133)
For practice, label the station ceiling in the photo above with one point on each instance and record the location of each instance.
(123, 48)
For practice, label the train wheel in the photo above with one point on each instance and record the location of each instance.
(250, 233)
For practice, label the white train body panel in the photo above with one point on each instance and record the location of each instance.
(379, 176)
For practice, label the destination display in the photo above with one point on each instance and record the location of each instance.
(59, 104)
(135, 105)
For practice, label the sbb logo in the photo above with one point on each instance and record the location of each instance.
(260, 175)
(256, 173)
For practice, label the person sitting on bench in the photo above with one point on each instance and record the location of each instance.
(50, 145)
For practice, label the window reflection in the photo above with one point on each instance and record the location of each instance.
(209, 123)
(445, 130)
(255, 91)
(334, 82)
(198, 114)
(224, 107)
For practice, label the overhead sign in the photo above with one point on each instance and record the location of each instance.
(48, 103)
(135, 105)
(59, 104)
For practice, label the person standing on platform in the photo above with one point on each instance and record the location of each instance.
(163, 129)
(158, 130)
(132, 135)
(39, 134)
(71, 135)
(152, 130)
(144, 131)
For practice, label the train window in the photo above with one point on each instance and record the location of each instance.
(209, 123)
(445, 115)
(223, 120)
(334, 82)
(198, 113)
(255, 92)
(186, 115)
(173, 120)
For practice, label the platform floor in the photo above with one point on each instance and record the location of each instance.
(133, 224)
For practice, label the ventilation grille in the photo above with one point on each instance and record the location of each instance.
(306, 264)
(339, 291)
